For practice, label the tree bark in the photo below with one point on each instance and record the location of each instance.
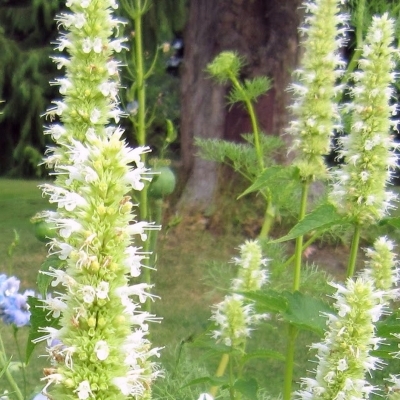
(264, 32)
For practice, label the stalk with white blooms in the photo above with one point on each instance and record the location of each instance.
(101, 351)
(368, 151)
(314, 92)
(344, 359)
(235, 317)
(359, 189)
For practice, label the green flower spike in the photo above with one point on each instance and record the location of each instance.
(368, 151)
(316, 114)
(234, 317)
(101, 350)
(344, 359)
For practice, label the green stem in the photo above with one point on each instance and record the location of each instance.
(287, 389)
(292, 334)
(140, 125)
(299, 240)
(305, 245)
(7, 373)
(220, 371)
(354, 250)
(253, 119)
(268, 220)
(359, 42)
(15, 334)
(231, 377)
(157, 207)
(139, 62)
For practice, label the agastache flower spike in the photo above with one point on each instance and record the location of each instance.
(314, 109)
(235, 317)
(368, 151)
(344, 359)
(101, 351)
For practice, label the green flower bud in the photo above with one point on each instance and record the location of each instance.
(225, 65)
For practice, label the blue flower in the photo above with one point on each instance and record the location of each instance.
(13, 305)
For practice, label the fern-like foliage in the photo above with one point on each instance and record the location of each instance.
(240, 156)
(252, 90)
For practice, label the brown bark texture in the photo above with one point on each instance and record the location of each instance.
(265, 33)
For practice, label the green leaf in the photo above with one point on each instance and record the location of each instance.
(208, 380)
(323, 217)
(6, 365)
(39, 319)
(392, 221)
(267, 300)
(43, 280)
(305, 312)
(386, 329)
(247, 387)
(274, 176)
(263, 354)
(171, 132)
(249, 90)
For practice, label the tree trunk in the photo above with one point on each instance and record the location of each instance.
(265, 34)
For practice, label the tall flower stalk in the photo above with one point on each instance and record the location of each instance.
(316, 117)
(101, 350)
(344, 359)
(359, 190)
(234, 317)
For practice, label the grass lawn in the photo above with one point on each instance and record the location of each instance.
(192, 261)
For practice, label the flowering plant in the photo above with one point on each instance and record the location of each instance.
(94, 325)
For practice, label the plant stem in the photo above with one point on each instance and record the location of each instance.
(220, 371)
(157, 207)
(287, 389)
(270, 211)
(140, 124)
(268, 220)
(253, 119)
(305, 245)
(354, 250)
(359, 42)
(15, 334)
(7, 373)
(299, 240)
(292, 332)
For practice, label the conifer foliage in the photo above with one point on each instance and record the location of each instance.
(26, 29)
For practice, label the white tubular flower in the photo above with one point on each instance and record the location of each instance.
(251, 275)
(95, 171)
(233, 320)
(394, 387)
(382, 267)
(344, 359)
(205, 396)
(359, 189)
(316, 114)
(235, 317)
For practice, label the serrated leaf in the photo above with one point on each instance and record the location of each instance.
(271, 177)
(392, 221)
(43, 280)
(267, 300)
(39, 319)
(305, 312)
(386, 329)
(263, 354)
(323, 217)
(247, 387)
